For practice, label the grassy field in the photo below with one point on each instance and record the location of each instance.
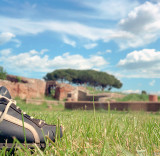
(134, 97)
(107, 133)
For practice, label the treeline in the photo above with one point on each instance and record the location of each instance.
(88, 77)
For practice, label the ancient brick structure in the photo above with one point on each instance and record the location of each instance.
(50, 85)
(77, 97)
(120, 106)
(25, 87)
(62, 91)
(153, 98)
(80, 94)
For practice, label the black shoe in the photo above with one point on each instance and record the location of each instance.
(11, 124)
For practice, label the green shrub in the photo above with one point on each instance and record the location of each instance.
(3, 73)
(144, 92)
(19, 79)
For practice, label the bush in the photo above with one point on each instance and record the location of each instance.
(3, 73)
(19, 79)
(144, 92)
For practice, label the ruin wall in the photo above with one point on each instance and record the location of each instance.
(32, 88)
(120, 106)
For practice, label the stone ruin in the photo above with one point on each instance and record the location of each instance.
(77, 97)
(81, 94)
(80, 99)
(27, 88)
(24, 87)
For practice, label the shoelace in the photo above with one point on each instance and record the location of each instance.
(11, 101)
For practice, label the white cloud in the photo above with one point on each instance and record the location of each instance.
(105, 52)
(139, 28)
(5, 52)
(110, 9)
(33, 52)
(69, 42)
(144, 25)
(6, 37)
(152, 83)
(32, 61)
(108, 51)
(18, 42)
(90, 46)
(43, 51)
(77, 61)
(26, 26)
(131, 91)
(143, 63)
(155, 93)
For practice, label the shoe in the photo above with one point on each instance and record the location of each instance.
(11, 124)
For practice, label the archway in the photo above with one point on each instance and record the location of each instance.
(50, 88)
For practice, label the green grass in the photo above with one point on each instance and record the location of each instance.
(107, 133)
(50, 97)
(93, 90)
(134, 97)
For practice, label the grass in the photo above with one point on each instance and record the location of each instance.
(134, 97)
(50, 97)
(107, 133)
(93, 90)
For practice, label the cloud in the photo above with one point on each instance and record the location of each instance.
(90, 46)
(155, 93)
(33, 61)
(75, 29)
(105, 52)
(43, 51)
(103, 9)
(34, 52)
(5, 52)
(18, 42)
(139, 28)
(143, 22)
(143, 63)
(26, 26)
(6, 37)
(108, 51)
(69, 42)
(152, 83)
(131, 91)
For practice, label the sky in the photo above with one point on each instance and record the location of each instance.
(120, 37)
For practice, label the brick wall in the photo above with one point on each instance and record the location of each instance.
(34, 88)
(62, 91)
(134, 106)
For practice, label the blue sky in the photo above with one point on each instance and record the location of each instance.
(119, 37)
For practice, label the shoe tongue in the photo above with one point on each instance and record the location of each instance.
(4, 92)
